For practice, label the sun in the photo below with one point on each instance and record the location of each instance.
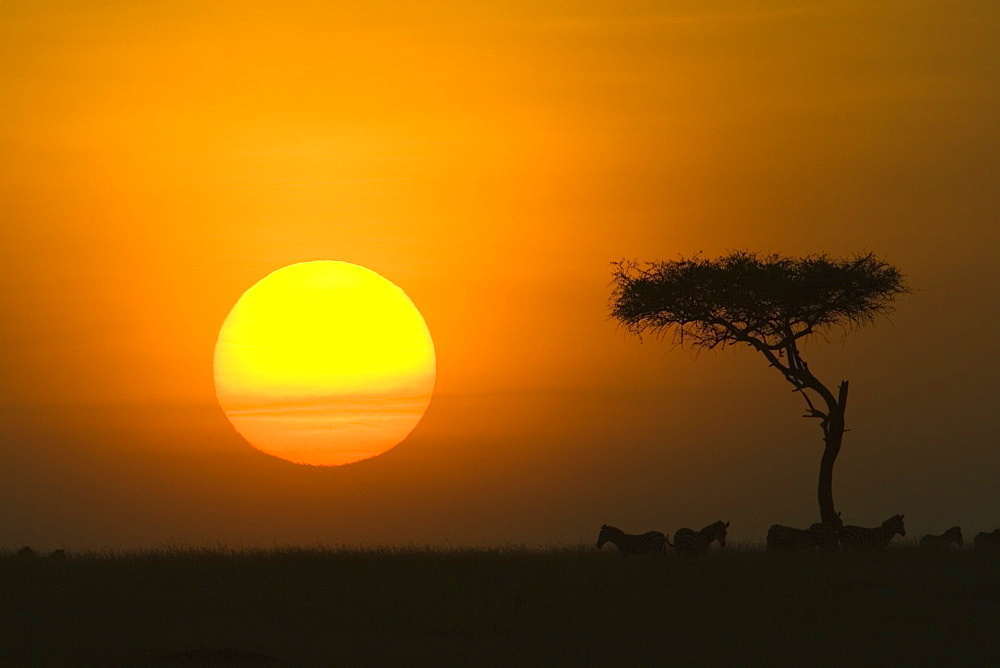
(324, 363)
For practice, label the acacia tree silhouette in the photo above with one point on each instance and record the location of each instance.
(769, 303)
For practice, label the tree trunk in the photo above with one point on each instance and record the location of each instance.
(833, 435)
(827, 510)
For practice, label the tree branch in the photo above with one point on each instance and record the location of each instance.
(812, 412)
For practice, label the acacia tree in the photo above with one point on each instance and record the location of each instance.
(767, 302)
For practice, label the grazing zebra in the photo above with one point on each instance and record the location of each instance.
(688, 542)
(987, 541)
(787, 539)
(825, 536)
(627, 543)
(864, 539)
(951, 537)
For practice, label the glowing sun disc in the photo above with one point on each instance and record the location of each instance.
(324, 363)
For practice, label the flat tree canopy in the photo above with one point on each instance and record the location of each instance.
(767, 301)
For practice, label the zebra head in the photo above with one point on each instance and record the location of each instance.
(604, 536)
(716, 531)
(894, 525)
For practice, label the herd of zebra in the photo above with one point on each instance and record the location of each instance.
(782, 539)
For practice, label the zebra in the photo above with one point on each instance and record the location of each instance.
(788, 539)
(952, 536)
(688, 542)
(987, 541)
(627, 543)
(864, 539)
(827, 536)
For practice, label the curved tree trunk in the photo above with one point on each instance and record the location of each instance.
(797, 372)
(824, 492)
(833, 435)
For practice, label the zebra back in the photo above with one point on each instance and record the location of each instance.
(987, 540)
(825, 537)
(866, 539)
(951, 537)
(689, 542)
(651, 541)
(789, 539)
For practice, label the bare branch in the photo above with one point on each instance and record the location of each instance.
(811, 412)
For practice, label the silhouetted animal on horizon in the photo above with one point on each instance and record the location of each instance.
(826, 536)
(864, 539)
(789, 539)
(987, 541)
(950, 538)
(627, 543)
(689, 542)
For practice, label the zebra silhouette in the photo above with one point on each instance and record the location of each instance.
(865, 539)
(627, 543)
(827, 536)
(689, 542)
(987, 542)
(799, 541)
(950, 538)
(789, 539)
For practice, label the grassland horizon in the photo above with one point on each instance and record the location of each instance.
(507, 605)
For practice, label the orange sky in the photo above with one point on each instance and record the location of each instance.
(159, 158)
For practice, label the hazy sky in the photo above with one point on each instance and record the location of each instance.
(159, 158)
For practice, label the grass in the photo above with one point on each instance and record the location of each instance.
(504, 606)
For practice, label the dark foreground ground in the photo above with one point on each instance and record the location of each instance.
(574, 606)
